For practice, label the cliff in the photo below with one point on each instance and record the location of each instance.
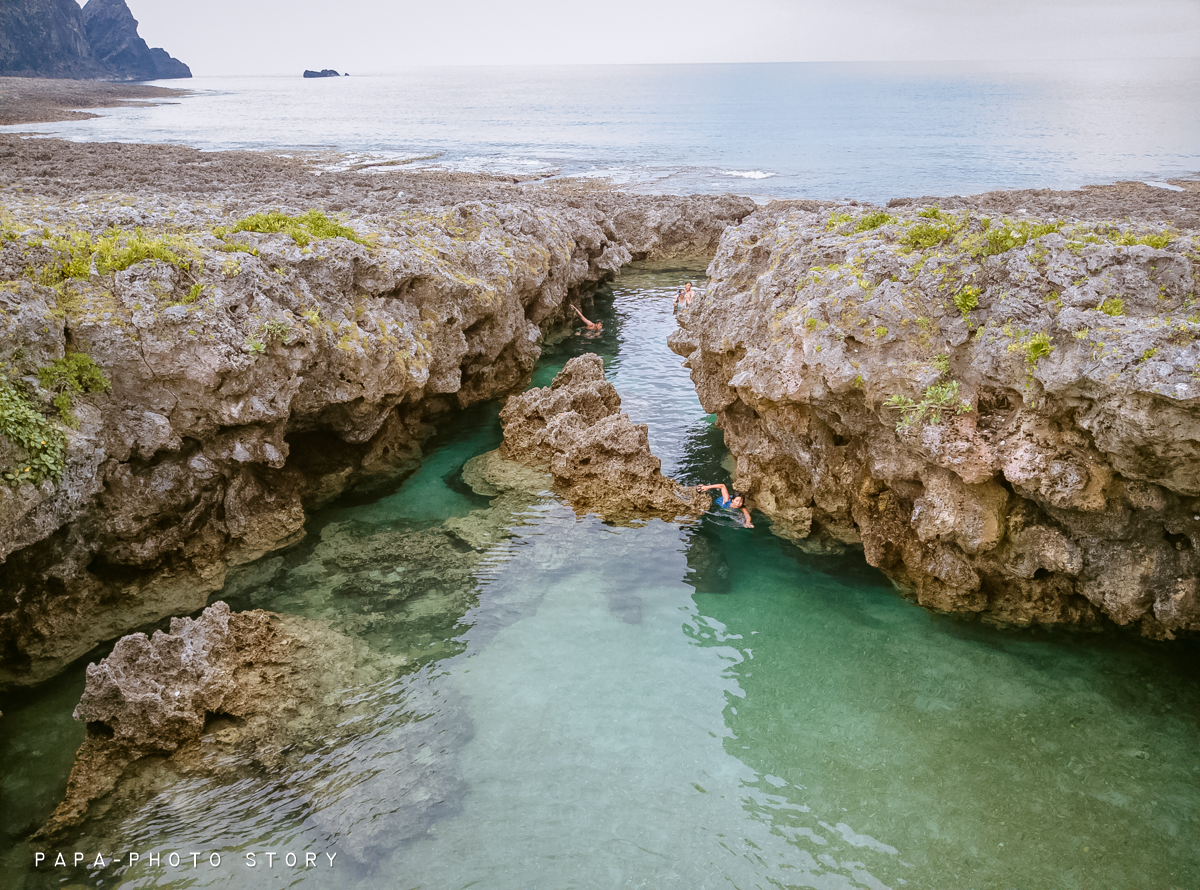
(1001, 406)
(55, 38)
(121, 53)
(191, 366)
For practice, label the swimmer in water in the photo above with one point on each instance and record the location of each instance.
(593, 327)
(725, 502)
(684, 296)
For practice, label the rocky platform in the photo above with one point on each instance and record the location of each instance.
(198, 348)
(999, 398)
(599, 460)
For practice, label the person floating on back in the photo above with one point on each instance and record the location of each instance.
(725, 502)
(593, 327)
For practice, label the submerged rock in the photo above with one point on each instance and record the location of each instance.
(232, 692)
(1005, 413)
(600, 460)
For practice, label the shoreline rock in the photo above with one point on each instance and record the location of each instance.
(1004, 412)
(599, 459)
(262, 355)
(231, 695)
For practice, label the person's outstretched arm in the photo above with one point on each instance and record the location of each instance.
(720, 485)
(746, 513)
(580, 314)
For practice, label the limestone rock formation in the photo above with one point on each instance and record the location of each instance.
(155, 695)
(255, 374)
(121, 53)
(324, 72)
(234, 695)
(55, 38)
(600, 460)
(1004, 411)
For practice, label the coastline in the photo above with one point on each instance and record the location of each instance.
(42, 100)
(258, 379)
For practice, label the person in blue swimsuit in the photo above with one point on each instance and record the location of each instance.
(725, 502)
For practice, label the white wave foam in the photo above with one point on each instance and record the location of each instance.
(1154, 183)
(748, 174)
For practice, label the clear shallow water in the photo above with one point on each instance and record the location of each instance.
(672, 705)
(867, 131)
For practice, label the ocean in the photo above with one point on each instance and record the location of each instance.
(861, 131)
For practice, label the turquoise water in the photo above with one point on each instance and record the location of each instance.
(867, 131)
(671, 705)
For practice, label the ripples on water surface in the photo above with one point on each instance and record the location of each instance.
(665, 706)
(817, 130)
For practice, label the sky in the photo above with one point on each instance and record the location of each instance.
(380, 36)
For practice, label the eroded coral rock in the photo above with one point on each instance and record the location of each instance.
(229, 689)
(255, 377)
(1005, 411)
(600, 460)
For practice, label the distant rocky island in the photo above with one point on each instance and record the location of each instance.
(56, 38)
(324, 72)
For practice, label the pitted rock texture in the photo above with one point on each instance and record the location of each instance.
(230, 691)
(255, 377)
(600, 460)
(1005, 412)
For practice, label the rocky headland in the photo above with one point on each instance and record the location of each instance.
(998, 397)
(198, 348)
(599, 459)
(55, 38)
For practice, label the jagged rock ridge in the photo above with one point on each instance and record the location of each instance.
(600, 460)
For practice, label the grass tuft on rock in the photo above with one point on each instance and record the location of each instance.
(73, 374)
(303, 229)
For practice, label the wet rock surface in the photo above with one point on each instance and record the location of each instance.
(997, 397)
(257, 374)
(599, 459)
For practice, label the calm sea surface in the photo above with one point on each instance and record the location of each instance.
(821, 130)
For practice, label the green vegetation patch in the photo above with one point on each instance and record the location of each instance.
(874, 220)
(939, 400)
(1001, 239)
(1038, 346)
(925, 235)
(966, 300)
(72, 375)
(311, 226)
(1113, 306)
(44, 444)
(836, 220)
(113, 251)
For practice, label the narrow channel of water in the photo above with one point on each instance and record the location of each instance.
(672, 705)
